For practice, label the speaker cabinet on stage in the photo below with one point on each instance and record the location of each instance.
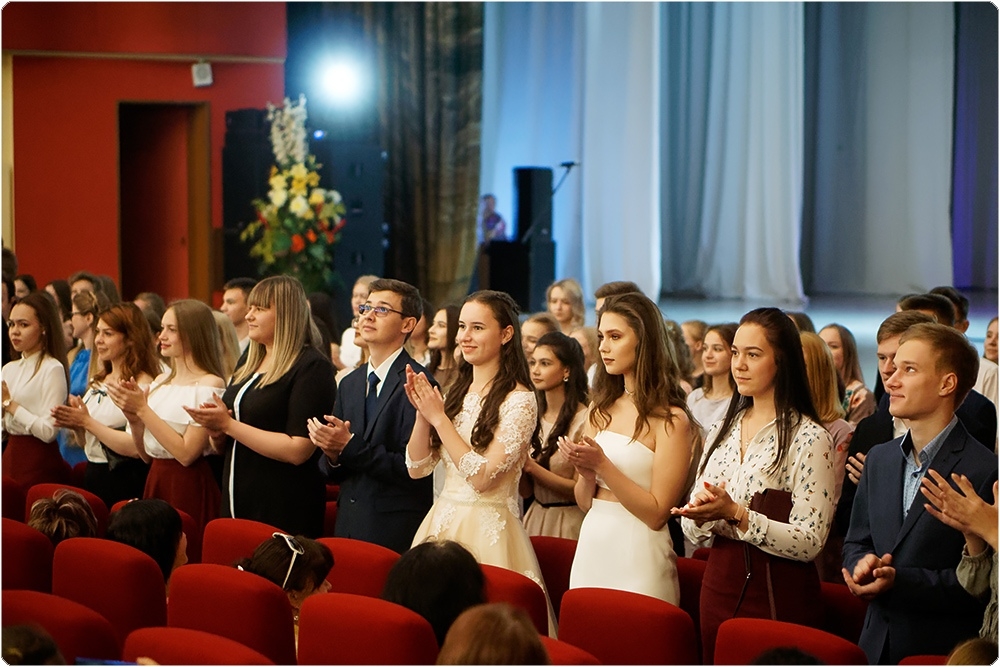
(523, 271)
(533, 205)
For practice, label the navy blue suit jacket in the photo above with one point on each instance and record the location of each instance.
(378, 502)
(926, 611)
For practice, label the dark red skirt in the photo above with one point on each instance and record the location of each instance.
(778, 588)
(192, 489)
(31, 461)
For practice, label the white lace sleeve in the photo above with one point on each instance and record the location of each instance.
(424, 466)
(511, 441)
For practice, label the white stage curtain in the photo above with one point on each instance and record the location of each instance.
(878, 202)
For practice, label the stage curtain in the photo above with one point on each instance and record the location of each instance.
(430, 63)
(878, 184)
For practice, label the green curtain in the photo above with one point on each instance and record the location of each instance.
(430, 67)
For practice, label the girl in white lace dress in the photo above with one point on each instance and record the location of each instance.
(483, 433)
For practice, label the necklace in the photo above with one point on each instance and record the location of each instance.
(630, 393)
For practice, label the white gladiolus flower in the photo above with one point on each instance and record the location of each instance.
(299, 206)
(278, 197)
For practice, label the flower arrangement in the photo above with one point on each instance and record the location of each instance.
(299, 222)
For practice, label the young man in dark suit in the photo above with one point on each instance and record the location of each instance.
(896, 554)
(364, 440)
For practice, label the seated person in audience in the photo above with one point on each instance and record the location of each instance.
(154, 528)
(882, 426)
(858, 401)
(802, 321)
(986, 380)
(905, 567)
(30, 645)
(297, 564)
(976, 651)
(535, 327)
(66, 514)
(493, 634)
(565, 303)
(438, 580)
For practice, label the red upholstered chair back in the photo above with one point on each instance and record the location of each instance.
(27, 558)
(226, 541)
(561, 653)
(39, 491)
(242, 606)
(12, 499)
(182, 646)
(555, 557)
(843, 612)
(330, 518)
(78, 631)
(741, 640)
(359, 567)
(78, 474)
(190, 527)
(346, 629)
(503, 585)
(701, 553)
(924, 660)
(596, 620)
(117, 581)
(690, 572)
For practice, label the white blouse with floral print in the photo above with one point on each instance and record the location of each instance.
(806, 472)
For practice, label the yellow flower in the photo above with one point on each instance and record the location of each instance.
(277, 182)
(299, 206)
(317, 197)
(278, 197)
(298, 187)
(274, 171)
(298, 171)
(312, 179)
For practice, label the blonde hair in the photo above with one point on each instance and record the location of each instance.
(574, 293)
(292, 325)
(229, 343)
(822, 376)
(199, 336)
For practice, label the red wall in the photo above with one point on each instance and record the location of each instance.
(66, 171)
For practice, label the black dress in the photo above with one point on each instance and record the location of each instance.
(286, 496)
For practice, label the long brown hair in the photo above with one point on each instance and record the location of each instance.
(512, 372)
(140, 351)
(292, 318)
(53, 342)
(656, 387)
(570, 354)
(199, 336)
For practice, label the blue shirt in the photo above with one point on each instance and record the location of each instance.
(912, 472)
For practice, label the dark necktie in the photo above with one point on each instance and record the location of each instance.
(371, 400)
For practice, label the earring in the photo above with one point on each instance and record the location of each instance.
(566, 379)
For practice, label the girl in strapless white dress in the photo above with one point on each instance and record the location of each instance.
(634, 458)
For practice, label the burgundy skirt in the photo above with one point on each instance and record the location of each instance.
(31, 461)
(191, 489)
(777, 588)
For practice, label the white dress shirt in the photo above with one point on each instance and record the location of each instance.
(37, 388)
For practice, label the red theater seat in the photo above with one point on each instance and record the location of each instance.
(503, 585)
(741, 640)
(79, 632)
(119, 582)
(359, 567)
(561, 653)
(12, 499)
(181, 646)
(555, 557)
(226, 541)
(27, 558)
(843, 612)
(924, 660)
(345, 629)
(657, 632)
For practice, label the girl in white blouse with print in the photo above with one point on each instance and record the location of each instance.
(769, 440)
(161, 429)
(32, 386)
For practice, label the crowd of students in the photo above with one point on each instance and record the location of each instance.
(640, 438)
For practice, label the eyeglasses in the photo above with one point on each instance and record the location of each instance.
(380, 311)
(296, 548)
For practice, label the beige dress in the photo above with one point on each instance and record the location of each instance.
(553, 514)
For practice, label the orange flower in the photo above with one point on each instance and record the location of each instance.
(298, 245)
(311, 235)
(329, 237)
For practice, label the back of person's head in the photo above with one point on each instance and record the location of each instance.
(9, 264)
(546, 320)
(802, 321)
(151, 301)
(822, 375)
(30, 645)
(438, 580)
(66, 514)
(897, 323)
(64, 297)
(244, 284)
(411, 304)
(109, 288)
(88, 276)
(615, 288)
(153, 527)
(955, 354)
(786, 655)
(493, 634)
(321, 307)
(682, 353)
(940, 307)
(297, 564)
(958, 300)
(976, 651)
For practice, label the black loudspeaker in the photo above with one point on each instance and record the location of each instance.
(522, 270)
(357, 172)
(533, 203)
(246, 166)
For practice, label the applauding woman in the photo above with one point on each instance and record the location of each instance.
(32, 386)
(634, 457)
(125, 350)
(561, 386)
(483, 432)
(765, 486)
(162, 431)
(271, 469)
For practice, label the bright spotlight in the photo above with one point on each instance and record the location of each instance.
(319, 134)
(342, 82)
